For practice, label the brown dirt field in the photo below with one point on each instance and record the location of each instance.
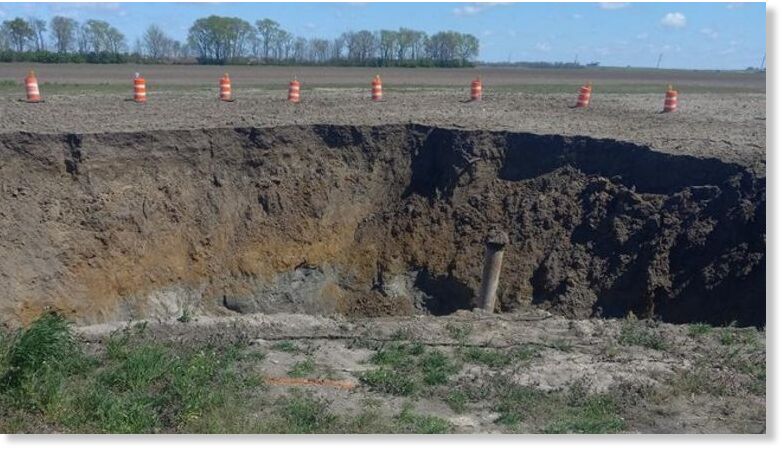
(720, 114)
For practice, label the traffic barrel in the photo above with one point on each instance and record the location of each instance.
(294, 91)
(377, 89)
(584, 94)
(476, 90)
(225, 88)
(31, 84)
(139, 89)
(671, 99)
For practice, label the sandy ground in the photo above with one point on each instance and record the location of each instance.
(720, 114)
(656, 388)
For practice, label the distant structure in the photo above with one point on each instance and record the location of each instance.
(659, 58)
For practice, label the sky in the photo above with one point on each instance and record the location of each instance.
(689, 35)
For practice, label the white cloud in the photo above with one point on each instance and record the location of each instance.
(710, 33)
(613, 5)
(577, 16)
(476, 8)
(543, 46)
(674, 20)
(642, 36)
(734, 5)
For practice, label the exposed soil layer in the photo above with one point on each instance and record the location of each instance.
(372, 220)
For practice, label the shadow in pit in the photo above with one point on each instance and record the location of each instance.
(443, 294)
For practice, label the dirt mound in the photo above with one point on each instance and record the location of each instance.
(371, 221)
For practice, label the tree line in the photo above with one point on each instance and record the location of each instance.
(229, 40)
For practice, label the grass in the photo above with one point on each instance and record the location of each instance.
(574, 410)
(698, 329)
(133, 383)
(302, 369)
(287, 347)
(487, 357)
(457, 400)
(133, 386)
(634, 333)
(421, 424)
(459, 332)
(390, 381)
(407, 367)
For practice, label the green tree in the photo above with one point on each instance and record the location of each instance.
(63, 33)
(268, 31)
(219, 39)
(19, 33)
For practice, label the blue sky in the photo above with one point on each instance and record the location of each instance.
(690, 35)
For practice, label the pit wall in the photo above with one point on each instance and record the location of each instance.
(371, 221)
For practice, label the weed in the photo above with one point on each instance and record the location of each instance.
(287, 347)
(563, 345)
(459, 333)
(487, 357)
(595, 414)
(46, 345)
(525, 352)
(633, 333)
(389, 381)
(402, 334)
(516, 402)
(186, 316)
(300, 414)
(457, 401)
(302, 368)
(421, 424)
(698, 329)
(398, 355)
(437, 367)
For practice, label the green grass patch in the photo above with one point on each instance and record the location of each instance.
(634, 333)
(134, 385)
(596, 414)
(407, 366)
(302, 369)
(410, 422)
(457, 400)
(287, 347)
(459, 332)
(390, 381)
(699, 329)
(437, 367)
(487, 357)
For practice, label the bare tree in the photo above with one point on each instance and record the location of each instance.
(39, 33)
(268, 33)
(156, 45)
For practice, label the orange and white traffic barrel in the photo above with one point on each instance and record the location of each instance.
(671, 99)
(225, 88)
(584, 94)
(139, 89)
(476, 90)
(377, 89)
(31, 84)
(294, 91)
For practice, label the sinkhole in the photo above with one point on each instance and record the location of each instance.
(367, 221)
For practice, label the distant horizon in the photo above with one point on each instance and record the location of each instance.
(686, 36)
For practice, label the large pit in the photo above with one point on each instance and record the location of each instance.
(366, 221)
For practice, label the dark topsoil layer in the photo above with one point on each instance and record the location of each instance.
(371, 220)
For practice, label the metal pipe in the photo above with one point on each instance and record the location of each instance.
(492, 265)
